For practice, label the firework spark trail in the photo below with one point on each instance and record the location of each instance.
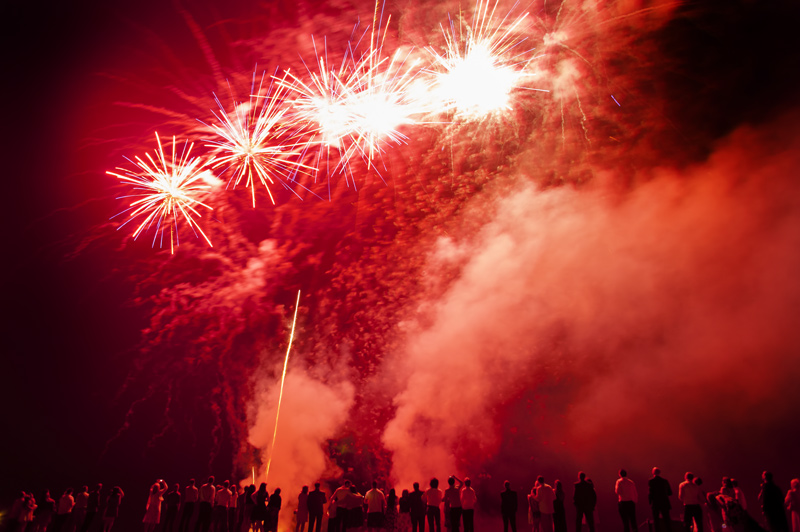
(255, 140)
(170, 191)
(283, 380)
(476, 73)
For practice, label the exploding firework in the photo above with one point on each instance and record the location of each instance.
(482, 63)
(167, 190)
(254, 142)
(357, 108)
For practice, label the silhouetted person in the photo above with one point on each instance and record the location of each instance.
(404, 512)
(43, 515)
(205, 506)
(354, 502)
(739, 494)
(772, 504)
(545, 495)
(316, 506)
(172, 501)
(260, 514)
(433, 498)
(658, 497)
(245, 507)
(390, 516)
(585, 499)
(689, 495)
(468, 501)
(417, 509)
(273, 511)
(190, 496)
(452, 502)
(152, 514)
(233, 512)
(111, 511)
(376, 507)
(92, 507)
(559, 508)
(301, 512)
(509, 504)
(80, 509)
(792, 503)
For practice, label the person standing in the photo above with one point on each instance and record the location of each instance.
(44, 513)
(273, 510)
(559, 508)
(452, 502)
(190, 496)
(792, 502)
(152, 514)
(390, 516)
(259, 514)
(627, 498)
(92, 507)
(658, 497)
(544, 496)
(585, 499)
(301, 512)
(111, 512)
(233, 512)
(316, 507)
(772, 504)
(509, 504)
(689, 495)
(432, 499)
(337, 511)
(63, 510)
(205, 506)
(172, 502)
(222, 500)
(417, 509)
(468, 501)
(81, 509)
(376, 506)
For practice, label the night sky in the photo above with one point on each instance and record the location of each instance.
(76, 360)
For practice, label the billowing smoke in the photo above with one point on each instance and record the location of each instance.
(312, 412)
(599, 328)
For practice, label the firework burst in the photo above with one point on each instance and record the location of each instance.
(254, 142)
(482, 63)
(167, 191)
(355, 109)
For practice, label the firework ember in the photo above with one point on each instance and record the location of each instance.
(167, 190)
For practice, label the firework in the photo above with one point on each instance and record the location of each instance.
(167, 191)
(254, 142)
(482, 63)
(357, 108)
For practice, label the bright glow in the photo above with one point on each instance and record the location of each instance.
(167, 191)
(481, 64)
(254, 142)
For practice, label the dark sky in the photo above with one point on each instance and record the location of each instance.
(67, 327)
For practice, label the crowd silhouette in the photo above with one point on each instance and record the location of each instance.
(225, 507)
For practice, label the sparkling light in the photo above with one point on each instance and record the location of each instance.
(167, 191)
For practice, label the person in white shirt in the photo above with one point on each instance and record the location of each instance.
(468, 501)
(689, 495)
(222, 500)
(190, 495)
(205, 506)
(739, 494)
(627, 498)
(375, 502)
(432, 499)
(544, 497)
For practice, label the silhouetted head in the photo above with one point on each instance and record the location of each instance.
(434, 482)
(767, 476)
(154, 488)
(226, 484)
(346, 483)
(735, 483)
(582, 475)
(374, 484)
(416, 486)
(234, 488)
(559, 486)
(175, 487)
(623, 473)
(316, 486)
(353, 489)
(67, 492)
(656, 472)
(84, 489)
(99, 487)
(191, 482)
(451, 481)
(689, 476)
(726, 483)
(211, 480)
(304, 489)
(405, 494)
(507, 484)
(698, 481)
(467, 482)
(277, 491)
(540, 480)
(262, 486)
(392, 493)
